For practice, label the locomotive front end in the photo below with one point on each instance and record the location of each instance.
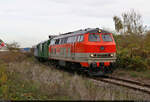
(100, 51)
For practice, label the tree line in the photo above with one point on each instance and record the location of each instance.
(133, 41)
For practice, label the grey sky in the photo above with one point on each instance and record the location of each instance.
(31, 21)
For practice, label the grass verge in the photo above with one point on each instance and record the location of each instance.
(31, 80)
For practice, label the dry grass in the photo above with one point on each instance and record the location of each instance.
(142, 76)
(12, 57)
(29, 79)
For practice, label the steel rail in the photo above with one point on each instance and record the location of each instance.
(126, 83)
(132, 84)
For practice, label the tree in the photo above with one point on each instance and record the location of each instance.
(1, 43)
(13, 46)
(130, 23)
(118, 23)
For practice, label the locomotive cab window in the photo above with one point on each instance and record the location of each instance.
(94, 37)
(106, 37)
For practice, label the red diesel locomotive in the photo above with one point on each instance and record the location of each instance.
(94, 50)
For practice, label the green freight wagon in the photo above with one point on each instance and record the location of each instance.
(42, 50)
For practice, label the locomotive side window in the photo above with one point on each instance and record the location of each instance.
(57, 41)
(69, 40)
(94, 37)
(106, 37)
(52, 42)
(80, 38)
(61, 41)
(74, 38)
(65, 40)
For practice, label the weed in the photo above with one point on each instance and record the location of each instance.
(134, 74)
(29, 80)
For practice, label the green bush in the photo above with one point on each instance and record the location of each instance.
(148, 61)
(136, 63)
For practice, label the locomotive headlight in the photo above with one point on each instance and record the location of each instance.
(92, 55)
(111, 54)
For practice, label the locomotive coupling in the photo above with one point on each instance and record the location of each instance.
(101, 64)
(93, 65)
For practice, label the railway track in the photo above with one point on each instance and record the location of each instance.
(132, 84)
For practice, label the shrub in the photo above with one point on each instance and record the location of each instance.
(148, 61)
(136, 63)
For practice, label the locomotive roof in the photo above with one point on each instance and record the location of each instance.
(82, 31)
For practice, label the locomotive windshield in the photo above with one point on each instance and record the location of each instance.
(94, 37)
(106, 37)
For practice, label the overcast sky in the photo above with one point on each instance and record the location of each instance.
(31, 21)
